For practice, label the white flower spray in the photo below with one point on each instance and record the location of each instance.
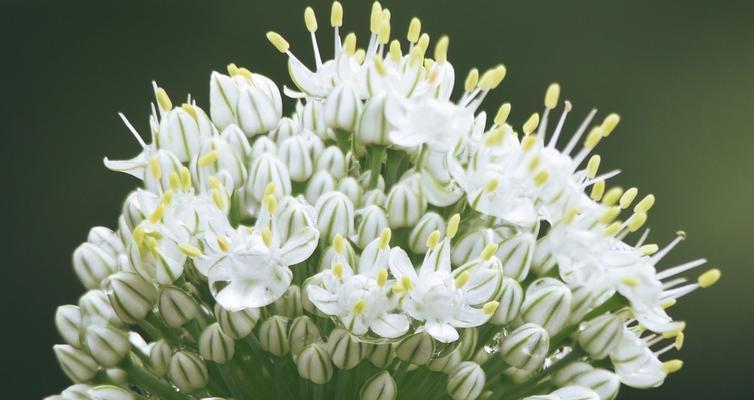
(383, 241)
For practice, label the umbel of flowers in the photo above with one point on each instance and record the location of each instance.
(386, 240)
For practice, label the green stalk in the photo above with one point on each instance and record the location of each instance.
(376, 154)
(343, 138)
(140, 377)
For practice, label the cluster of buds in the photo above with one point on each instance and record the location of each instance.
(383, 240)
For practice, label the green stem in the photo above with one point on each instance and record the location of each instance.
(376, 154)
(144, 379)
(343, 138)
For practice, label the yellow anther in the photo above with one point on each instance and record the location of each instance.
(379, 65)
(675, 332)
(649, 249)
(150, 243)
(630, 281)
(593, 138)
(609, 123)
(185, 176)
(668, 303)
(423, 42)
(223, 244)
(269, 189)
(496, 137)
(416, 56)
(338, 243)
(138, 235)
(452, 228)
(189, 250)
(490, 307)
(672, 366)
(232, 69)
(157, 214)
(488, 251)
(218, 198)
(163, 100)
(613, 228)
(349, 44)
(433, 239)
(462, 279)
(612, 196)
(492, 77)
(208, 158)
(593, 165)
(609, 215)
(278, 41)
(310, 19)
(679, 339)
(570, 214)
(441, 50)
(174, 180)
(270, 203)
(552, 95)
(381, 277)
(337, 270)
(359, 55)
(154, 168)
(645, 204)
(376, 17)
(471, 79)
(336, 14)
(414, 30)
(502, 113)
(541, 177)
(534, 163)
(190, 110)
(267, 236)
(681, 234)
(395, 51)
(491, 185)
(709, 278)
(406, 283)
(531, 124)
(383, 34)
(215, 183)
(428, 64)
(598, 189)
(385, 238)
(637, 221)
(528, 142)
(359, 307)
(245, 73)
(628, 197)
(167, 197)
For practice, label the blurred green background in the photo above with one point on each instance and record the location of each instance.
(680, 73)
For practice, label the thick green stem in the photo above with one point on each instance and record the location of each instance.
(343, 138)
(376, 154)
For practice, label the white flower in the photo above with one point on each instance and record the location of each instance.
(436, 123)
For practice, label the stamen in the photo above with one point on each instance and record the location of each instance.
(336, 15)
(395, 51)
(628, 197)
(384, 238)
(218, 198)
(552, 95)
(189, 250)
(414, 30)
(452, 227)
(531, 124)
(154, 167)
(495, 138)
(162, 99)
(157, 214)
(645, 204)
(441, 50)
(269, 189)
(709, 278)
(337, 270)
(488, 251)
(375, 18)
(462, 279)
(311, 25)
(679, 269)
(223, 244)
(592, 166)
(471, 79)
(381, 277)
(541, 178)
(492, 78)
(185, 176)
(267, 236)
(349, 44)
(637, 221)
(559, 128)
(433, 239)
(406, 283)
(423, 43)
(502, 114)
(649, 249)
(278, 41)
(338, 243)
(491, 185)
(132, 130)
(612, 196)
(593, 138)
(672, 366)
(270, 203)
(609, 123)
(358, 308)
(208, 158)
(598, 189)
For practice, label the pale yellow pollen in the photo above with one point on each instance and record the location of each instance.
(376, 17)
(349, 44)
(381, 277)
(496, 137)
(471, 79)
(552, 95)
(709, 278)
(593, 138)
(406, 283)
(488, 251)
(414, 30)
(491, 185)
(637, 221)
(338, 243)
(630, 281)
(628, 197)
(668, 303)
(384, 238)
(433, 239)
(672, 366)
(157, 214)
(609, 123)
(190, 110)
(278, 41)
(593, 165)
(423, 42)
(245, 73)
(613, 228)
(531, 124)
(167, 197)
(359, 55)
(598, 189)
(534, 163)
(208, 158)
(232, 69)
(163, 100)
(215, 183)
(185, 176)
(441, 50)
(452, 228)
(310, 19)
(649, 249)
(645, 204)
(358, 308)
(218, 198)
(679, 340)
(609, 215)
(189, 250)
(528, 142)
(267, 236)
(462, 279)
(336, 14)
(674, 332)
(492, 77)
(270, 203)
(379, 65)
(223, 244)
(337, 270)
(570, 214)
(612, 196)
(138, 235)
(383, 34)
(490, 307)
(174, 180)
(541, 177)
(154, 168)
(502, 114)
(395, 51)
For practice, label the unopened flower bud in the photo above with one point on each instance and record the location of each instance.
(371, 221)
(334, 216)
(215, 345)
(333, 161)
(428, 223)
(258, 108)
(78, 391)
(110, 392)
(68, 322)
(322, 182)
(76, 364)
(287, 128)
(600, 335)
(223, 97)
(466, 381)
(374, 197)
(303, 332)
(345, 350)
(289, 304)
(342, 108)
(182, 132)
(603, 382)
(236, 324)
(159, 357)
(107, 346)
(568, 393)
(416, 349)
(176, 306)
(565, 375)
(373, 127)
(516, 254)
(106, 239)
(526, 347)
(447, 363)
(314, 364)
(131, 297)
(380, 386)
(470, 246)
(216, 156)
(265, 170)
(312, 118)
(381, 355)
(547, 303)
(238, 142)
(273, 335)
(352, 189)
(405, 205)
(261, 146)
(188, 371)
(469, 338)
(294, 153)
(93, 264)
(96, 310)
(511, 298)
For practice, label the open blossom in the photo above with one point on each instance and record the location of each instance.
(384, 221)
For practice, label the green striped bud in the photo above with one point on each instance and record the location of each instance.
(289, 304)
(106, 239)
(183, 130)
(176, 306)
(76, 364)
(273, 335)
(259, 106)
(416, 349)
(187, 371)
(264, 170)
(381, 355)
(68, 322)
(334, 216)
(314, 364)
(294, 153)
(352, 189)
(93, 264)
(466, 381)
(470, 245)
(603, 382)
(600, 335)
(526, 347)
(333, 161)
(311, 118)
(584, 299)
(238, 142)
(303, 332)
(110, 392)
(107, 346)
(345, 350)
(547, 303)
(96, 310)
(567, 374)
(342, 108)
(516, 253)
(447, 363)
(287, 128)
(373, 127)
(236, 324)
(215, 345)
(131, 296)
(469, 339)
(380, 386)
(78, 391)
(375, 197)
(320, 183)
(428, 223)
(511, 298)
(159, 357)
(371, 221)
(405, 204)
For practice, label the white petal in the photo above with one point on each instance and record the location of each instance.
(441, 332)
(390, 325)
(400, 264)
(300, 246)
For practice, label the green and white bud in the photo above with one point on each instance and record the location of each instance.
(333, 161)
(265, 170)
(188, 371)
(303, 332)
(373, 127)
(371, 221)
(381, 355)
(334, 216)
(133, 210)
(216, 156)
(237, 324)
(516, 253)
(107, 346)
(405, 204)
(289, 304)
(314, 143)
(96, 310)
(293, 214)
(566, 375)
(294, 153)
(176, 307)
(159, 357)
(603, 382)
(345, 349)
(469, 339)
(568, 393)
(183, 130)
(547, 303)
(78, 391)
(470, 245)
(223, 97)
(381, 386)
(584, 300)
(131, 296)
(600, 335)
(76, 364)
(314, 364)
(352, 189)
(110, 392)
(157, 176)
(263, 145)
(259, 106)
(68, 322)
(93, 264)
(466, 381)
(239, 143)
(106, 240)
(416, 349)
(215, 345)
(511, 298)
(342, 108)
(375, 197)
(273, 335)
(428, 223)
(287, 128)
(526, 347)
(447, 363)
(312, 120)
(321, 182)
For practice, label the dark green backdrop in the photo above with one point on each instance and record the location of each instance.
(681, 74)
